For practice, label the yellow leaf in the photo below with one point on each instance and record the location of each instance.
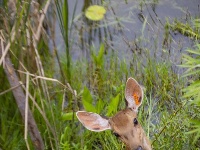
(95, 12)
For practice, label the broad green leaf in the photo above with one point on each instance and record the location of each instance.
(95, 12)
(87, 101)
(67, 116)
(112, 107)
(88, 106)
(86, 95)
(99, 58)
(100, 106)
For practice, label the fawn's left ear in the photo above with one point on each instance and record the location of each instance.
(93, 121)
(133, 94)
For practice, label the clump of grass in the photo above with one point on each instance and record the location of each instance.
(11, 125)
(191, 92)
(187, 29)
(191, 61)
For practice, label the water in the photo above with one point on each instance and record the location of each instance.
(130, 27)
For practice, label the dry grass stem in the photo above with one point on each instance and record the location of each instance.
(63, 100)
(2, 38)
(10, 89)
(68, 86)
(42, 82)
(20, 97)
(26, 112)
(41, 20)
(8, 45)
(41, 112)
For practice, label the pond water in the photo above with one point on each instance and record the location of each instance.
(130, 26)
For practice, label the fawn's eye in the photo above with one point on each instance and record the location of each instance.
(116, 134)
(135, 121)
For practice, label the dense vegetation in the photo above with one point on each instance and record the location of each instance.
(56, 85)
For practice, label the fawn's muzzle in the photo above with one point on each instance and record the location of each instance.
(139, 148)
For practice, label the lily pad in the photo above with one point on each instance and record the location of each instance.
(95, 12)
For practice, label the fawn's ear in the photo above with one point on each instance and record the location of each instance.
(93, 121)
(133, 94)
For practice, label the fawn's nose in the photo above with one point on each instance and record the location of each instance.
(139, 148)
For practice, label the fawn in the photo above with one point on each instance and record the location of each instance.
(124, 124)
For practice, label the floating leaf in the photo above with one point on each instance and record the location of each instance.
(95, 12)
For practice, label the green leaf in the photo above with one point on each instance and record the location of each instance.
(95, 12)
(100, 56)
(86, 95)
(100, 106)
(112, 107)
(67, 116)
(88, 106)
(87, 101)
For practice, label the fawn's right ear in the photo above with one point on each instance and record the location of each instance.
(133, 94)
(93, 121)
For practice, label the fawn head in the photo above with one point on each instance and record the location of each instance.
(124, 124)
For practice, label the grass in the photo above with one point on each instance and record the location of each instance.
(191, 93)
(95, 84)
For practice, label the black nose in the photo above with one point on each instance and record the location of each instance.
(139, 148)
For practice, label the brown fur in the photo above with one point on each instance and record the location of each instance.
(132, 135)
(124, 124)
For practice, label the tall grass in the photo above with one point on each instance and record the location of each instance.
(192, 94)
(191, 63)
(62, 13)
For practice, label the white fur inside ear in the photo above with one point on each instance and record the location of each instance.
(100, 122)
(133, 94)
(93, 121)
(131, 102)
